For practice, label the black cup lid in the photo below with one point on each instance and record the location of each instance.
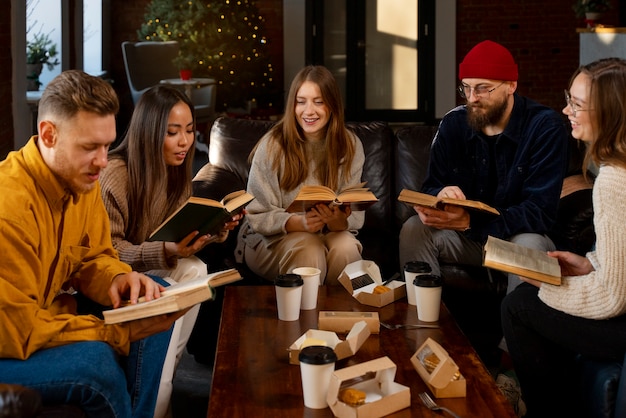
(289, 280)
(417, 267)
(317, 354)
(427, 280)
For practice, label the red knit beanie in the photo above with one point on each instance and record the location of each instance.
(488, 60)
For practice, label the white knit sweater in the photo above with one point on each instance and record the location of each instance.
(600, 294)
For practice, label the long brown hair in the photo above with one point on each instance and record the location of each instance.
(288, 139)
(607, 102)
(152, 184)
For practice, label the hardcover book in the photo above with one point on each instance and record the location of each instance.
(200, 214)
(175, 298)
(527, 262)
(358, 198)
(427, 200)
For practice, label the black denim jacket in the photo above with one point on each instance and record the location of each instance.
(530, 162)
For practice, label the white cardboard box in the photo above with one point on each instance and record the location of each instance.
(376, 378)
(361, 277)
(343, 321)
(354, 340)
(439, 371)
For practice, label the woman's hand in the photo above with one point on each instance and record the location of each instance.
(182, 249)
(334, 217)
(572, 264)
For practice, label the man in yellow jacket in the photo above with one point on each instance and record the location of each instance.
(55, 242)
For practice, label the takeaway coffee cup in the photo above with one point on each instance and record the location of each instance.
(428, 297)
(412, 269)
(317, 364)
(288, 296)
(311, 278)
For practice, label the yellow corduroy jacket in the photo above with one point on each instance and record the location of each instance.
(51, 241)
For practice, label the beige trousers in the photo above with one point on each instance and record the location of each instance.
(187, 269)
(329, 252)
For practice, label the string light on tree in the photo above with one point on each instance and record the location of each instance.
(221, 39)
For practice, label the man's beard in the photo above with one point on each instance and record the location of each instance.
(492, 115)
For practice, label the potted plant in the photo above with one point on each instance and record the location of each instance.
(185, 64)
(39, 52)
(591, 10)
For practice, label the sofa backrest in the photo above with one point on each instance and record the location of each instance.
(411, 161)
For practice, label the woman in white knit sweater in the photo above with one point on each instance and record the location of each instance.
(546, 326)
(310, 145)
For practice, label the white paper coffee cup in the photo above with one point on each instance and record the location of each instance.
(428, 297)
(412, 269)
(317, 364)
(311, 278)
(288, 296)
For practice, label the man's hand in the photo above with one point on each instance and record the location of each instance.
(451, 217)
(132, 285)
(142, 328)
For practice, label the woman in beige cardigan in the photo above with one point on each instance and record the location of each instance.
(148, 177)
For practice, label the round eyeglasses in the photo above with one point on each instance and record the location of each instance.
(480, 91)
(575, 107)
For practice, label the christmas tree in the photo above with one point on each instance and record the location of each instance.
(221, 39)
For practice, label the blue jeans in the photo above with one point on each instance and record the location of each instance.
(91, 375)
(543, 343)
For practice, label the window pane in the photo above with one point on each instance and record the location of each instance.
(43, 17)
(391, 54)
(92, 36)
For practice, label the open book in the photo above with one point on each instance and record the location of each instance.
(527, 262)
(199, 214)
(427, 200)
(175, 298)
(358, 198)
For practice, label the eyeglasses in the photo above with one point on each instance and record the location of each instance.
(575, 107)
(480, 91)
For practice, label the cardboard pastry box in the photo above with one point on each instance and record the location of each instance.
(362, 277)
(376, 379)
(438, 370)
(343, 321)
(354, 340)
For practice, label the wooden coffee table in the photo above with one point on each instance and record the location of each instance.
(252, 376)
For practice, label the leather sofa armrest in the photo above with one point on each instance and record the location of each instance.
(213, 182)
(18, 401)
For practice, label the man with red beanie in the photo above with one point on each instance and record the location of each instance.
(499, 148)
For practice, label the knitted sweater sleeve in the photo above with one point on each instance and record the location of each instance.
(600, 294)
(143, 256)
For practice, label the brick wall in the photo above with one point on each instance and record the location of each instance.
(540, 34)
(6, 111)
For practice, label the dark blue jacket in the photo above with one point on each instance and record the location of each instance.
(530, 159)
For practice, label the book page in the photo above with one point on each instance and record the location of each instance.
(237, 200)
(528, 262)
